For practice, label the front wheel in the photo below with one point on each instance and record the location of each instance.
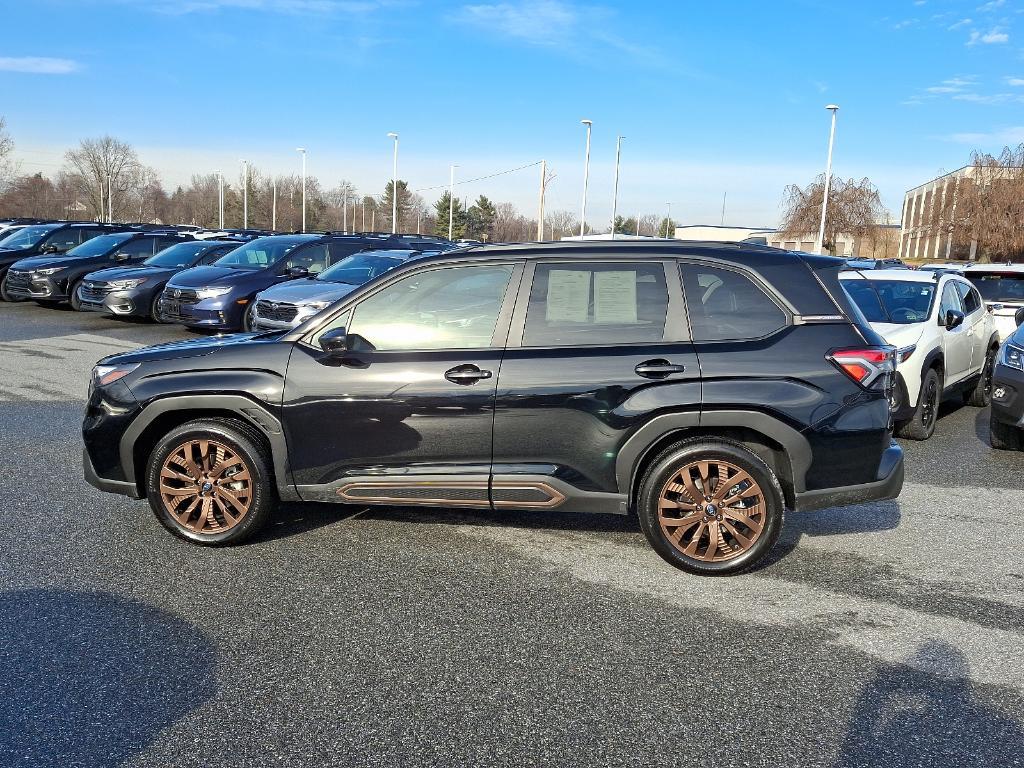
(249, 318)
(76, 303)
(210, 482)
(922, 425)
(981, 395)
(155, 313)
(5, 294)
(711, 507)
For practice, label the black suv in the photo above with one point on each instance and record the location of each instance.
(703, 387)
(55, 279)
(41, 239)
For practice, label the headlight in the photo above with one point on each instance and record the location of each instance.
(1013, 356)
(47, 271)
(313, 307)
(135, 282)
(108, 374)
(212, 293)
(903, 354)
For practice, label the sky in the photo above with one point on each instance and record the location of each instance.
(721, 98)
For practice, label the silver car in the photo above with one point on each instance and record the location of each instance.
(284, 306)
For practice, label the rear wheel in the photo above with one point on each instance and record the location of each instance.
(981, 395)
(1005, 437)
(922, 425)
(210, 482)
(711, 507)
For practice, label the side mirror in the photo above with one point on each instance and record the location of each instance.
(334, 341)
(297, 272)
(51, 249)
(121, 257)
(1019, 316)
(953, 319)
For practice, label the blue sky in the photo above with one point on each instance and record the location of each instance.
(712, 97)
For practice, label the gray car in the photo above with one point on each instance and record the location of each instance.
(284, 306)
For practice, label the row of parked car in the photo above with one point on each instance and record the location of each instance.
(219, 280)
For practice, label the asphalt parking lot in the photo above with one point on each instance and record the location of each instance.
(886, 634)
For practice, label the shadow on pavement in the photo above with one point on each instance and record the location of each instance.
(90, 679)
(927, 714)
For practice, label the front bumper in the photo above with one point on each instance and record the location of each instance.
(217, 314)
(124, 303)
(109, 412)
(1008, 396)
(888, 485)
(25, 285)
(122, 487)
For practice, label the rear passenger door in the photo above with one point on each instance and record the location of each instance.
(596, 349)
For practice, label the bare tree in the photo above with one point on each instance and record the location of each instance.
(854, 207)
(562, 224)
(109, 171)
(8, 169)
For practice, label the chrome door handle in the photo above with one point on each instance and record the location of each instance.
(466, 374)
(658, 369)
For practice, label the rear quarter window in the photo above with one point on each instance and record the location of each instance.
(725, 305)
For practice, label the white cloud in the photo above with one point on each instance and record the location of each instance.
(986, 98)
(542, 22)
(961, 23)
(992, 37)
(37, 65)
(1015, 81)
(323, 7)
(991, 6)
(1003, 136)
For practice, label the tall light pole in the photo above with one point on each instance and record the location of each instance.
(833, 108)
(668, 218)
(245, 194)
(394, 188)
(273, 204)
(451, 202)
(220, 199)
(110, 198)
(615, 194)
(302, 151)
(586, 178)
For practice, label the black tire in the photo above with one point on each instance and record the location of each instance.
(922, 425)
(4, 293)
(663, 480)
(154, 309)
(247, 316)
(76, 303)
(258, 487)
(981, 395)
(1005, 437)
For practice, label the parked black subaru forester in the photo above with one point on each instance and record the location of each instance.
(703, 387)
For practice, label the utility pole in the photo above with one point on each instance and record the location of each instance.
(723, 208)
(828, 178)
(586, 178)
(451, 203)
(344, 213)
(615, 194)
(245, 194)
(302, 150)
(394, 187)
(110, 198)
(540, 199)
(220, 199)
(273, 204)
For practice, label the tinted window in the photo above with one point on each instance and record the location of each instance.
(950, 300)
(596, 303)
(723, 304)
(867, 300)
(64, 239)
(99, 246)
(143, 246)
(339, 249)
(969, 297)
(993, 286)
(26, 237)
(178, 255)
(215, 253)
(359, 268)
(453, 308)
(312, 257)
(261, 252)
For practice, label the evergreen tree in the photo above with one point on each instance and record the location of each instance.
(625, 226)
(481, 217)
(404, 203)
(458, 214)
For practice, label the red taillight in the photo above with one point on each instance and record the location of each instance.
(865, 365)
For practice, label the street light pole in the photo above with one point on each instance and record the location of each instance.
(615, 194)
(273, 204)
(833, 108)
(668, 218)
(245, 194)
(220, 199)
(394, 188)
(586, 178)
(451, 202)
(302, 151)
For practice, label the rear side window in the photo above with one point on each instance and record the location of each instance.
(592, 304)
(725, 305)
(65, 239)
(135, 248)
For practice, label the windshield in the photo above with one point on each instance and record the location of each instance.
(359, 268)
(179, 255)
(261, 252)
(995, 286)
(99, 245)
(26, 237)
(892, 301)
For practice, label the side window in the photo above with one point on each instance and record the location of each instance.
(596, 303)
(212, 255)
(950, 301)
(312, 257)
(727, 305)
(166, 242)
(969, 297)
(65, 239)
(339, 249)
(447, 308)
(133, 249)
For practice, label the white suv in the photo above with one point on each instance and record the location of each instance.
(1002, 288)
(945, 340)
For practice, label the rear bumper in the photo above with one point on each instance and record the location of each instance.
(122, 487)
(887, 486)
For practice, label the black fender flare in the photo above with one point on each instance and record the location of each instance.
(934, 356)
(249, 411)
(640, 442)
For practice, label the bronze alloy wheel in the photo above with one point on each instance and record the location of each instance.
(712, 510)
(206, 486)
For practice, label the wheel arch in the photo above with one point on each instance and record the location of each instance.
(164, 414)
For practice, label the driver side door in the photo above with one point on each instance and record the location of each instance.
(405, 416)
(957, 343)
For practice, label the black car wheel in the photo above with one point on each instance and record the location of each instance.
(249, 317)
(922, 425)
(155, 314)
(4, 293)
(981, 395)
(210, 482)
(711, 507)
(73, 299)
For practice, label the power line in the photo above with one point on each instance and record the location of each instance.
(480, 178)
